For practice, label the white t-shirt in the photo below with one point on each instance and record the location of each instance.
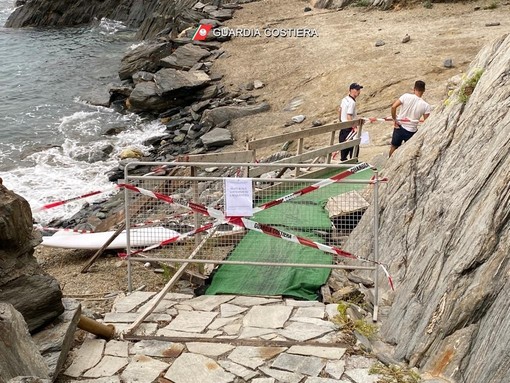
(348, 106)
(413, 107)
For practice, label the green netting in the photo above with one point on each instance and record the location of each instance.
(297, 282)
(305, 212)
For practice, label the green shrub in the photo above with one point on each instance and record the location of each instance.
(468, 86)
(394, 374)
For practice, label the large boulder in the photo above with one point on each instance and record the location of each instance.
(445, 231)
(223, 114)
(146, 57)
(20, 355)
(35, 294)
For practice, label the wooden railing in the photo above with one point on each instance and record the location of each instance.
(301, 156)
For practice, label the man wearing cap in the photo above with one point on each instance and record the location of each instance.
(347, 112)
(413, 107)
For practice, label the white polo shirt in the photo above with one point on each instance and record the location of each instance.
(348, 106)
(413, 107)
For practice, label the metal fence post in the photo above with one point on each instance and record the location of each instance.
(127, 225)
(376, 245)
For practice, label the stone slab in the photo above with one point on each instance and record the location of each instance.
(86, 357)
(331, 310)
(157, 348)
(267, 316)
(208, 302)
(306, 365)
(303, 331)
(228, 310)
(325, 380)
(142, 330)
(131, 317)
(361, 375)
(109, 379)
(232, 329)
(108, 366)
(254, 357)
(294, 303)
(181, 334)
(220, 322)
(204, 370)
(244, 373)
(253, 301)
(335, 368)
(254, 332)
(143, 369)
(321, 352)
(209, 349)
(132, 301)
(263, 380)
(117, 348)
(316, 322)
(310, 312)
(191, 321)
(282, 376)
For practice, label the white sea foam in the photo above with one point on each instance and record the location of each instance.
(57, 175)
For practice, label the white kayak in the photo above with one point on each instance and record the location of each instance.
(139, 237)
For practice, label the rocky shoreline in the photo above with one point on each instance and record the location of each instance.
(170, 80)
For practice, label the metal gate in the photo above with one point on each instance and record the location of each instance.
(208, 214)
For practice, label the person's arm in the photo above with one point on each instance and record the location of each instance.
(394, 107)
(425, 116)
(340, 113)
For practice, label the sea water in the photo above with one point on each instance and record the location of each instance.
(45, 126)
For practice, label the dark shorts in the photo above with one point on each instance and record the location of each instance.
(400, 136)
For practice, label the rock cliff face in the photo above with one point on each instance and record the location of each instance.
(41, 13)
(35, 294)
(445, 232)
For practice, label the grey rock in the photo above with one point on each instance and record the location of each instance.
(143, 58)
(184, 57)
(28, 379)
(406, 39)
(379, 43)
(321, 352)
(299, 118)
(217, 138)
(494, 24)
(132, 301)
(448, 63)
(169, 80)
(55, 341)
(257, 84)
(282, 376)
(224, 113)
(20, 356)
(209, 349)
(99, 96)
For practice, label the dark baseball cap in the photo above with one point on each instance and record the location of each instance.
(356, 86)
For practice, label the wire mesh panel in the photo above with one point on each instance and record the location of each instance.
(296, 228)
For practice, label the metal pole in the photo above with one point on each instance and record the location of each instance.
(128, 231)
(376, 245)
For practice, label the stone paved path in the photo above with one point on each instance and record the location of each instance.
(220, 339)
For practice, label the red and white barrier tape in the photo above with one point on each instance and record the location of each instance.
(63, 202)
(316, 186)
(42, 228)
(389, 119)
(173, 239)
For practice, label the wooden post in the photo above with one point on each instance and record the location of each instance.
(103, 248)
(299, 151)
(331, 142)
(355, 153)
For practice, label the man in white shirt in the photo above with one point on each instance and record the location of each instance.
(413, 107)
(347, 112)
